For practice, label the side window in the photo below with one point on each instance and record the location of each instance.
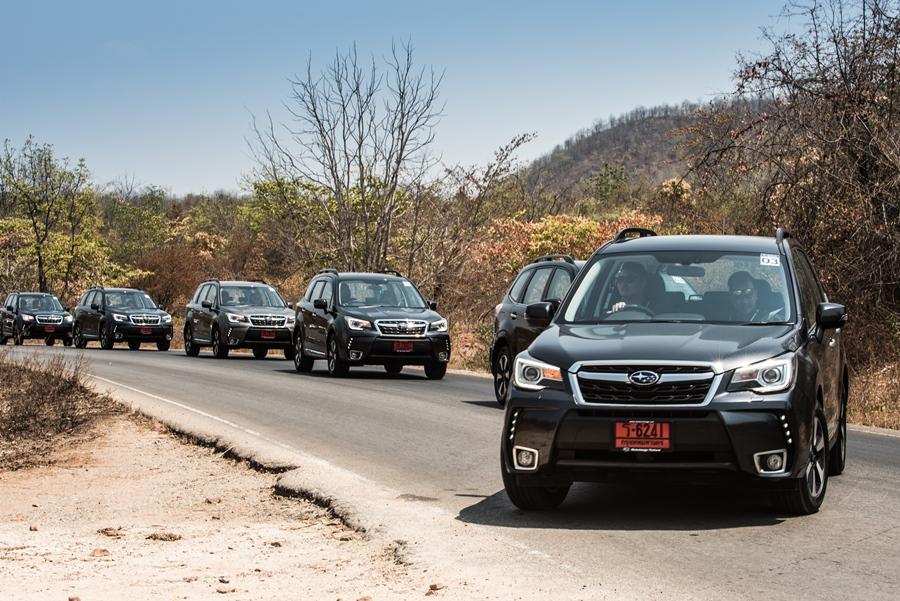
(317, 290)
(518, 287)
(559, 284)
(810, 294)
(84, 298)
(327, 291)
(211, 294)
(308, 294)
(12, 301)
(91, 299)
(535, 291)
(198, 294)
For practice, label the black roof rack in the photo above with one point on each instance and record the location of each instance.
(328, 270)
(392, 272)
(780, 235)
(626, 234)
(558, 257)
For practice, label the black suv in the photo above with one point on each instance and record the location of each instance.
(35, 315)
(546, 278)
(369, 318)
(674, 354)
(236, 314)
(111, 315)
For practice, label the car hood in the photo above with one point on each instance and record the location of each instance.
(53, 312)
(124, 311)
(254, 310)
(725, 347)
(378, 313)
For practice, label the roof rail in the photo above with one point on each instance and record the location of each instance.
(623, 235)
(780, 235)
(328, 270)
(392, 272)
(566, 258)
(260, 282)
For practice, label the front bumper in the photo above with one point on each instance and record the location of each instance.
(40, 330)
(362, 348)
(244, 336)
(126, 332)
(726, 436)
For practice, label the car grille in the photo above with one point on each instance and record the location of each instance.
(401, 327)
(145, 320)
(49, 319)
(268, 321)
(609, 384)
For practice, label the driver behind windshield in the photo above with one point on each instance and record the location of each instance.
(631, 286)
(744, 297)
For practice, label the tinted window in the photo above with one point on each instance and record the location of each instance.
(39, 302)
(308, 294)
(327, 291)
(535, 291)
(129, 300)
(93, 297)
(380, 293)
(559, 284)
(810, 294)
(250, 296)
(518, 287)
(11, 301)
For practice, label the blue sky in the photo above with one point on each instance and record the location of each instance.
(164, 91)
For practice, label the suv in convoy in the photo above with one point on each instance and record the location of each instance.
(111, 315)
(235, 314)
(548, 279)
(745, 376)
(369, 318)
(35, 315)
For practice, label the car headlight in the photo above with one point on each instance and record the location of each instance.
(67, 318)
(236, 318)
(772, 375)
(119, 318)
(531, 374)
(438, 326)
(358, 324)
(26, 317)
(167, 318)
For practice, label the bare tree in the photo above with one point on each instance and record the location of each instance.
(357, 134)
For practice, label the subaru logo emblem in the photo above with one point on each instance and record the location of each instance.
(644, 378)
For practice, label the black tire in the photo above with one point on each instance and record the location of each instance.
(163, 345)
(837, 457)
(393, 369)
(67, 341)
(435, 370)
(260, 352)
(501, 367)
(134, 345)
(106, 337)
(190, 347)
(532, 498)
(77, 338)
(49, 341)
(804, 495)
(302, 363)
(3, 340)
(220, 351)
(336, 366)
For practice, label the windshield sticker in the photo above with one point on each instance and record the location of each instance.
(770, 260)
(407, 284)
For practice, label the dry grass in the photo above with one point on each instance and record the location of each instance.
(41, 403)
(875, 396)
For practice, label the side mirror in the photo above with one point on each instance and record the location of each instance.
(540, 314)
(321, 304)
(9, 308)
(95, 307)
(206, 304)
(830, 316)
(432, 304)
(66, 309)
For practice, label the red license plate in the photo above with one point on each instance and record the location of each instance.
(49, 328)
(146, 330)
(403, 347)
(267, 334)
(643, 436)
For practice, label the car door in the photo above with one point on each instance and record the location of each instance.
(90, 318)
(525, 332)
(319, 317)
(9, 314)
(206, 316)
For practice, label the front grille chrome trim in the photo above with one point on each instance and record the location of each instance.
(145, 320)
(270, 320)
(402, 328)
(714, 373)
(50, 320)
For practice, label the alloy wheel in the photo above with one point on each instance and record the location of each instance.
(502, 375)
(298, 351)
(816, 470)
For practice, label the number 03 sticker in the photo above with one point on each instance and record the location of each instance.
(770, 260)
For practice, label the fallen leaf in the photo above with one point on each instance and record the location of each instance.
(112, 532)
(225, 589)
(164, 536)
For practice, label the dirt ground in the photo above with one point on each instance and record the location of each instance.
(127, 510)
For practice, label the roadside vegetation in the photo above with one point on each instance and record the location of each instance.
(42, 404)
(346, 176)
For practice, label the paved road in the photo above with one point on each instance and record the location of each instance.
(439, 442)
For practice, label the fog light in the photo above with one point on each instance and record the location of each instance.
(355, 355)
(771, 462)
(232, 340)
(525, 458)
(444, 356)
(774, 463)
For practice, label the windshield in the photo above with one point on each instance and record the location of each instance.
(251, 296)
(380, 293)
(129, 300)
(684, 286)
(39, 302)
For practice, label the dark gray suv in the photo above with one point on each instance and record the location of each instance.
(228, 315)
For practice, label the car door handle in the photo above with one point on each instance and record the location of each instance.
(514, 315)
